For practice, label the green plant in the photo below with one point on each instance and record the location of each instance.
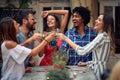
(60, 58)
(59, 74)
(59, 71)
(23, 4)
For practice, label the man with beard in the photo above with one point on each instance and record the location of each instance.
(80, 34)
(27, 22)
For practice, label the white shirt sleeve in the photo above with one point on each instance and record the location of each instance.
(91, 46)
(19, 53)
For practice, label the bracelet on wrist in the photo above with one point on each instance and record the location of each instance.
(46, 40)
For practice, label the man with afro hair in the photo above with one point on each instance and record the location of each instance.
(80, 34)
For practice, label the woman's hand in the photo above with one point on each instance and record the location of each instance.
(50, 37)
(44, 14)
(82, 64)
(60, 36)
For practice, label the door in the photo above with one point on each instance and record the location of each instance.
(117, 28)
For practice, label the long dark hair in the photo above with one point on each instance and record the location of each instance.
(109, 28)
(7, 30)
(57, 24)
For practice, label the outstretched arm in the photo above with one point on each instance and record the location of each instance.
(66, 39)
(64, 13)
(35, 37)
(40, 47)
(82, 50)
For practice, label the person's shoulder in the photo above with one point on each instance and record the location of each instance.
(91, 29)
(104, 34)
(10, 44)
(20, 34)
(71, 30)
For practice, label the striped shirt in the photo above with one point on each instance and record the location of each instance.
(100, 47)
(72, 34)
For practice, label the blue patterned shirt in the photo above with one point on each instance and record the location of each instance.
(74, 58)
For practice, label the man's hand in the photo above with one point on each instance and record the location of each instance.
(37, 36)
(28, 69)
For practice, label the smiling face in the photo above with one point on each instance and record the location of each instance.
(31, 21)
(51, 22)
(77, 20)
(99, 24)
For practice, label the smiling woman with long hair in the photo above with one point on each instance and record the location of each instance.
(101, 46)
(14, 54)
(52, 24)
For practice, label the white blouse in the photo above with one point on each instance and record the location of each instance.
(13, 62)
(100, 47)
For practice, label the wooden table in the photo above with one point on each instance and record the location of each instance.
(77, 73)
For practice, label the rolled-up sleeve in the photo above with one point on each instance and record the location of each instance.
(19, 53)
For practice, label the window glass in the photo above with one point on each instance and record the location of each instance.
(108, 10)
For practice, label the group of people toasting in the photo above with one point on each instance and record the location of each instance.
(86, 46)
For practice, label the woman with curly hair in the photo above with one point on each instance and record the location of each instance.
(53, 24)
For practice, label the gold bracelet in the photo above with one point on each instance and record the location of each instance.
(46, 40)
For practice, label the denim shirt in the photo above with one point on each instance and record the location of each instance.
(21, 38)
